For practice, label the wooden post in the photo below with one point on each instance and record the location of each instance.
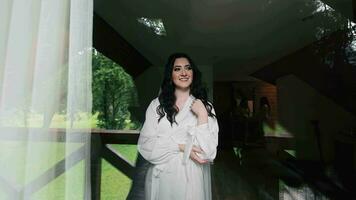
(95, 166)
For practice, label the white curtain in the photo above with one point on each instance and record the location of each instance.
(45, 99)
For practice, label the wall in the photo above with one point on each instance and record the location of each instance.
(298, 104)
(208, 80)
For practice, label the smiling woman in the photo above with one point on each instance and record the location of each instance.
(179, 136)
(182, 74)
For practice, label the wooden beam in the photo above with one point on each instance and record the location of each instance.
(120, 139)
(55, 171)
(118, 161)
(61, 135)
(42, 135)
(336, 82)
(109, 42)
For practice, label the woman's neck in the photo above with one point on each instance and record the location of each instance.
(181, 97)
(181, 94)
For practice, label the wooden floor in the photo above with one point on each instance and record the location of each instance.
(259, 175)
(242, 178)
(255, 174)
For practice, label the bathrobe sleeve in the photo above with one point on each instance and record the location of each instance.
(155, 147)
(206, 136)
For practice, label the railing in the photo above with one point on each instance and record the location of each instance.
(100, 140)
(99, 148)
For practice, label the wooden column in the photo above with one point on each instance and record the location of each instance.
(95, 166)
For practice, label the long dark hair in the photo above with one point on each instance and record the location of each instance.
(167, 98)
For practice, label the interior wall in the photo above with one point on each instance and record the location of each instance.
(298, 104)
(222, 97)
(208, 80)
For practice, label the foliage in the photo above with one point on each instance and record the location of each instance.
(113, 92)
(333, 48)
(334, 54)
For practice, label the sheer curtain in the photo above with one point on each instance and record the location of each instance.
(45, 98)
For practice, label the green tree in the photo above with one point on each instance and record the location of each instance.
(113, 92)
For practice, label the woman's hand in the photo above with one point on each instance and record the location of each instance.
(193, 153)
(198, 108)
(196, 158)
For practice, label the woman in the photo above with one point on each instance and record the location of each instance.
(179, 136)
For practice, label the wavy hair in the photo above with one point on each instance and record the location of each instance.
(167, 97)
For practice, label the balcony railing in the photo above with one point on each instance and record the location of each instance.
(99, 148)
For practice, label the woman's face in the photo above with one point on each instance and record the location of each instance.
(182, 74)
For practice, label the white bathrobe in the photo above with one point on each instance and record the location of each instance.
(173, 175)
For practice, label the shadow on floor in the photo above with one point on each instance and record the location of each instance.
(255, 174)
